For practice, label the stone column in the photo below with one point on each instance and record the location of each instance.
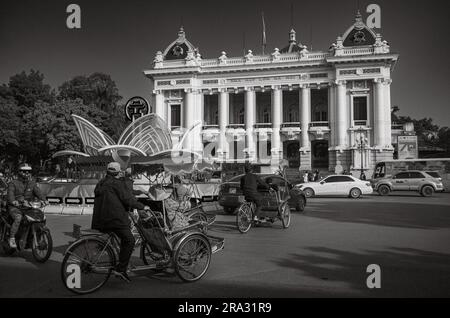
(379, 121)
(250, 106)
(223, 122)
(331, 114)
(387, 110)
(342, 115)
(188, 118)
(305, 117)
(159, 105)
(277, 114)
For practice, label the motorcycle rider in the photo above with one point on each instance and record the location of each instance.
(24, 188)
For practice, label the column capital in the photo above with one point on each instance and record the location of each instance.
(340, 82)
(223, 90)
(192, 90)
(378, 80)
(387, 81)
(305, 86)
(276, 87)
(249, 89)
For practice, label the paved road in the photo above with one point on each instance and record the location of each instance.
(324, 253)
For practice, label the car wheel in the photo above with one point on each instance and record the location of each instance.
(308, 192)
(355, 193)
(427, 191)
(300, 207)
(384, 190)
(228, 210)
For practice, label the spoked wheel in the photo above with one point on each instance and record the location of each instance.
(285, 216)
(244, 218)
(42, 245)
(87, 265)
(4, 233)
(192, 257)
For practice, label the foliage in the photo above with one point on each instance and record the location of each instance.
(9, 124)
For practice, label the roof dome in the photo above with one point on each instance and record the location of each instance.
(293, 45)
(358, 34)
(179, 48)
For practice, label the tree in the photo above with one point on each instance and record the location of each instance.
(9, 125)
(27, 89)
(98, 89)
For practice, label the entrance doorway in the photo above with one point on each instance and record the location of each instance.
(319, 154)
(292, 154)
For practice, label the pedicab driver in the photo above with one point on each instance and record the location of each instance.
(250, 183)
(111, 205)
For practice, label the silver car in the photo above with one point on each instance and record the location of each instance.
(412, 180)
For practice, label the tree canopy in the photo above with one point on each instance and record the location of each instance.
(35, 121)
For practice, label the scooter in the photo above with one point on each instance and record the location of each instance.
(32, 232)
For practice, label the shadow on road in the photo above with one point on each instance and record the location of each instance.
(385, 214)
(402, 270)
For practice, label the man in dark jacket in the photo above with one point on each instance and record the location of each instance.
(249, 185)
(24, 188)
(112, 201)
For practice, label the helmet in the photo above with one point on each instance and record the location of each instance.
(25, 167)
(113, 168)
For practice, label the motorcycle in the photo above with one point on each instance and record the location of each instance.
(32, 232)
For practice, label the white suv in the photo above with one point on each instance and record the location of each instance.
(412, 180)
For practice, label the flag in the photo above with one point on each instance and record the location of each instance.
(264, 41)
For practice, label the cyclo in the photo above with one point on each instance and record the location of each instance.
(90, 260)
(274, 206)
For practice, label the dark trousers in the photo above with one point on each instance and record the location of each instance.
(255, 198)
(127, 242)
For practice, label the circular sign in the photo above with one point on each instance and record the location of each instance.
(136, 107)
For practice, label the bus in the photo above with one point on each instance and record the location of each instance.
(439, 167)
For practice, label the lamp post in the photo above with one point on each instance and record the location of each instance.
(361, 144)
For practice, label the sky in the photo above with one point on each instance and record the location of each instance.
(120, 38)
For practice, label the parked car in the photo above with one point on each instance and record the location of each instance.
(334, 185)
(412, 180)
(230, 191)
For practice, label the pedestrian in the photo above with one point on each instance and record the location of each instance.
(363, 176)
(111, 204)
(316, 175)
(305, 177)
(310, 176)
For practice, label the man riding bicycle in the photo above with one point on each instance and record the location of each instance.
(113, 199)
(250, 183)
(24, 188)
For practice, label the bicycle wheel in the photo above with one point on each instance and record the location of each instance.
(285, 216)
(244, 217)
(192, 257)
(87, 265)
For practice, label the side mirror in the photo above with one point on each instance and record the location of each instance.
(322, 182)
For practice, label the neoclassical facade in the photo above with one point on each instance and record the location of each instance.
(325, 110)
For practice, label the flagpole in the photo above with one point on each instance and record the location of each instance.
(263, 33)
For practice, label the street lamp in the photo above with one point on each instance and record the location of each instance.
(361, 144)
